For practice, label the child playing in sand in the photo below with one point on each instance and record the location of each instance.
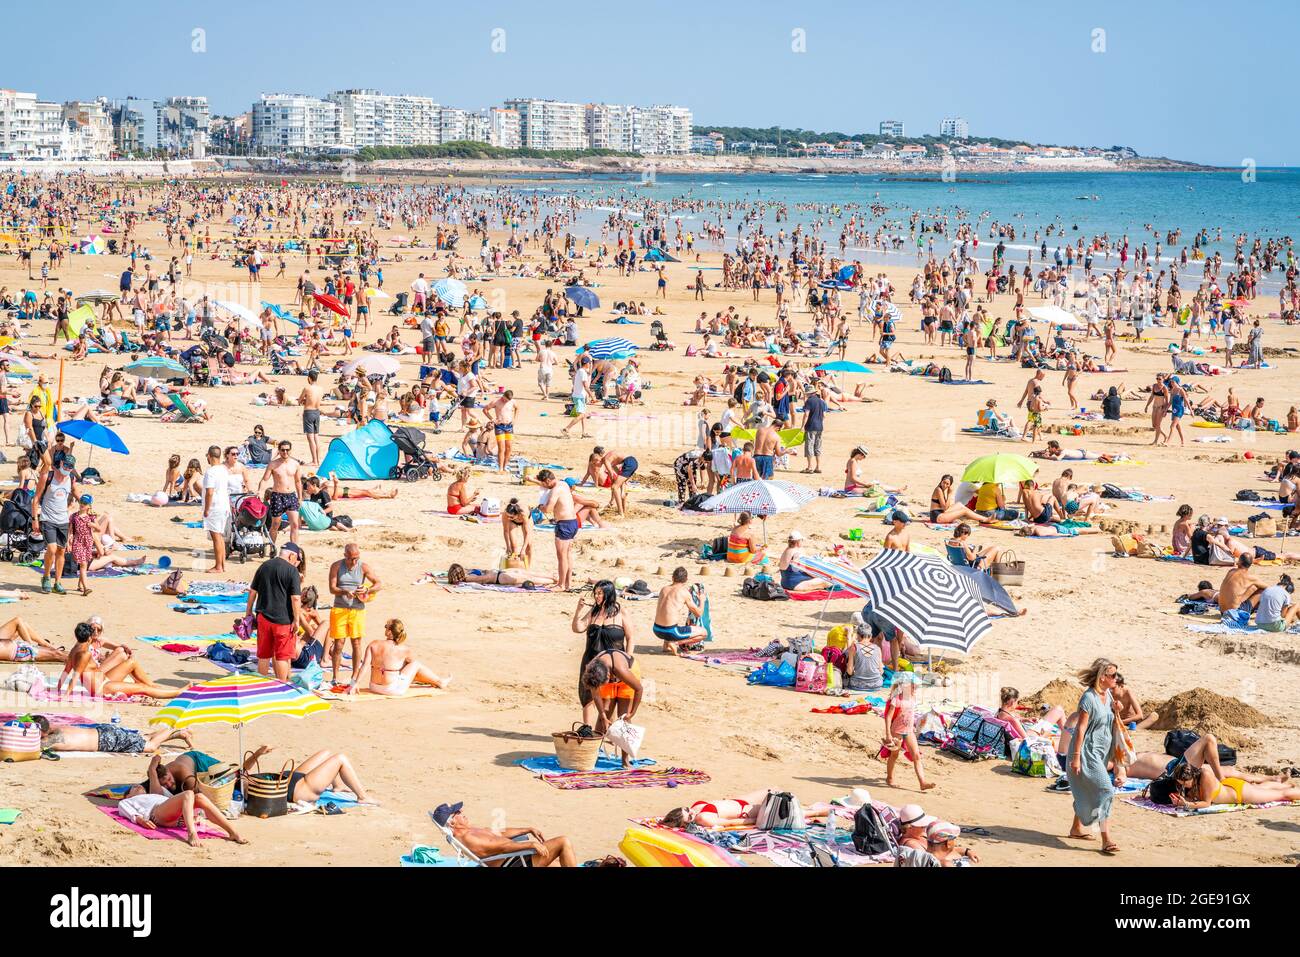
(900, 728)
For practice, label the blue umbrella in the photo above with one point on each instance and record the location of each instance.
(842, 365)
(477, 302)
(845, 273)
(156, 366)
(582, 297)
(615, 347)
(94, 434)
(450, 291)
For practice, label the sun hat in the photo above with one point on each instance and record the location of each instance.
(912, 815)
(796, 536)
(939, 832)
(855, 798)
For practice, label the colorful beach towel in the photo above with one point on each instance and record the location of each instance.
(549, 764)
(629, 778)
(1214, 809)
(822, 595)
(206, 830)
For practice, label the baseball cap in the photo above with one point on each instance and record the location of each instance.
(444, 812)
(912, 815)
(68, 462)
(291, 547)
(86, 499)
(940, 831)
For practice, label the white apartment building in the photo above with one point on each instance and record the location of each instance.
(371, 118)
(292, 122)
(87, 131)
(954, 127)
(181, 118)
(453, 125)
(29, 128)
(503, 128)
(661, 130)
(610, 126)
(892, 128)
(478, 126)
(550, 124)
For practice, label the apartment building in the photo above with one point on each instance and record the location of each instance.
(293, 122)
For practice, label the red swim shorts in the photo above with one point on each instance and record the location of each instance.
(274, 641)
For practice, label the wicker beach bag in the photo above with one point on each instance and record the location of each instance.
(267, 794)
(575, 752)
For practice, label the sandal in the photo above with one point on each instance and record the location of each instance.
(1110, 849)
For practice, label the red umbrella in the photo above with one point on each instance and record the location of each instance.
(331, 303)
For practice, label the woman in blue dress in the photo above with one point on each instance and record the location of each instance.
(1091, 748)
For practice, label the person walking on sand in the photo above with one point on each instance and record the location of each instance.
(285, 475)
(900, 728)
(814, 423)
(352, 583)
(1091, 747)
(216, 502)
(501, 414)
(275, 594)
(309, 399)
(559, 504)
(675, 602)
(581, 394)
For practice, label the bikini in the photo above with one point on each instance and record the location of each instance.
(1236, 784)
(708, 807)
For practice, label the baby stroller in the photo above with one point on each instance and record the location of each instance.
(399, 305)
(661, 343)
(16, 541)
(417, 465)
(247, 533)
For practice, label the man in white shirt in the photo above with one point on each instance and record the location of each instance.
(421, 289)
(216, 503)
(545, 368)
(581, 395)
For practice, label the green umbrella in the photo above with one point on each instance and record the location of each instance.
(1000, 469)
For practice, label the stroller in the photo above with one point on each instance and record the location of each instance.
(399, 305)
(661, 343)
(16, 541)
(417, 465)
(247, 533)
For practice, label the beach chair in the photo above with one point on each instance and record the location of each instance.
(520, 858)
(180, 412)
(957, 556)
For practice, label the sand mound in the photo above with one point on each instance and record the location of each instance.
(1060, 691)
(1207, 712)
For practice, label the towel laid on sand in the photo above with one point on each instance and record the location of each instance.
(624, 778)
(822, 595)
(1213, 809)
(549, 764)
(205, 829)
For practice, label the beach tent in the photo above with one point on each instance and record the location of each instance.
(657, 255)
(1052, 314)
(365, 453)
(845, 274)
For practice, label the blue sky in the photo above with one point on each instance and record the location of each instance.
(1174, 79)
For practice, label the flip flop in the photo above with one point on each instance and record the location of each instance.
(329, 809)
(1110, 850)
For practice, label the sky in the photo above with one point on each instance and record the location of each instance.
(1178, 80)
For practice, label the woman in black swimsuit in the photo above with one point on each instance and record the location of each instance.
(607, 628)
(514, 518)
(325, 771)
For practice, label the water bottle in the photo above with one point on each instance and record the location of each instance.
(117, 718)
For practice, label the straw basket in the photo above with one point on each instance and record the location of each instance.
(217, 785)
(267, 794)
(574, 752)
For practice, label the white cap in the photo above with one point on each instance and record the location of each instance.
(796, 536)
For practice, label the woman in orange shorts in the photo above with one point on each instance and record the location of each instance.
(614, 679)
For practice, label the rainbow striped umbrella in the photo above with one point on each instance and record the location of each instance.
(237, 699)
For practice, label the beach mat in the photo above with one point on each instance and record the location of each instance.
(366, 696)
(549, 764)
(822, 595)
(1214, 809)
(630, 778)
(206, 830)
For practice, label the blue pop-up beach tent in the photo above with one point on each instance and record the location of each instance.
(657, 255)
(365, 453)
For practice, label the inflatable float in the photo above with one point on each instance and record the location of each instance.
(661, 847)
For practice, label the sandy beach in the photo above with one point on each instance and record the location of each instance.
(515, 658)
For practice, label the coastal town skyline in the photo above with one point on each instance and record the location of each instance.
(1089, 78)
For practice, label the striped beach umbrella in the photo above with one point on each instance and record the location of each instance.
(838, 573)
(451, 291)
(237, 699)
(614, 347)
(891, 310)
(927, 598)
(158, 367)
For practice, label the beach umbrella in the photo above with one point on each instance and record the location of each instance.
(78, 318)
(582, 297)
(451, 291)
(1001, 469)
(843, 365)
(18, 365)
(331, 303)
(94, 435)
(613, 347)
(278, 311)
(373, 363)
(927, 598)
(377, 294)
(477, 302)
(237, 699)
(159, 367)
(760, 497)
(242, 313)
(990, 588)
(891, 310)
(97, 296)
(838, 573)
(834, 284)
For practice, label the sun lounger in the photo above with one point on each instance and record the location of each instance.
(180, 412)
(519, 858)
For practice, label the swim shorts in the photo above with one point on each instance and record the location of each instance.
(347, 623)
(566, 530)
(629, 467)
(274, 641)
(673, 633)
(1239, 615)
(1279, 625)
(311, 422)
(202, 761)
(503, 428)
(114, 739)
(281, 503)
(579, 404)
(55, 534)
(24, 651)
(764, 464)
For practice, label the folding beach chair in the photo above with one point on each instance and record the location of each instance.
(180, 412)
(520, 858)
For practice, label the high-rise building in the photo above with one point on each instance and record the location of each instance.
(29, 128)
(650, 130)
(892, 128)
(550, 124)
(292, 122)
(371, 118)
(610, 126)
(503, 128)
(954, 127)
(181, 118)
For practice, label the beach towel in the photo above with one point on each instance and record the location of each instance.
(1232, 628)
(868, 705)
(822, 595)
(79, 694)
(9, 814)
(364, 696)
(205, 829)
(549, 764)
(228, 636)
(511, 589)
(1213, 809)
(746, 658)
(965, 382)
(629, 778)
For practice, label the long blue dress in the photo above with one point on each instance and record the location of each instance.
(1092, 789)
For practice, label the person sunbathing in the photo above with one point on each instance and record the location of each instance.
(357, 491)
(1130, 710)
(1202, 752)
(155, 807)
(106, 738)
(460, 497)
(1198, 788)
(81, 666)
(940, 837)
(741, 810)
(393, 669)
(19, 643)
(516, 577)
(486, 842)
(1010, 713)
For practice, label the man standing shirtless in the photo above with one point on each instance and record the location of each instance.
(560, 506)
(285, 476)
(674, 602)
(310, 402)
(501, 413)
(767, 445)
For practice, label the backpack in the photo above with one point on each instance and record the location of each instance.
(171, 584)
(1113, 491)
(313, 516)
(1036, 759)
(977, 734)
(693, 504)
(780, 811)
(945, 374)
(1247, 495)
(1180, 739)
(810, 675)
(763, 590)
(870, 835)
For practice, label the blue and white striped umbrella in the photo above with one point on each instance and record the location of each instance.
(614, 347)
(927, 598)
(451, 291)
(891, 310)
(760, 497)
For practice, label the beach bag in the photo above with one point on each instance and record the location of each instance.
(810, 675)
(27, 678)
(266, 794)
(1113, 491)
(869, 833)
(777, 674)
(780, 811)
(245, 629)
(626, 736)
(1180, 739)
(803, 645)
(692, 504)
(763, 590)
(575, 752)
(171, 584)
(1036, 759)
(977, 733)
(313, 516)
(217, 784)
(1008, 570)
(309, 677)
(20, 742)
(1247, 495)
(1263, 526)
